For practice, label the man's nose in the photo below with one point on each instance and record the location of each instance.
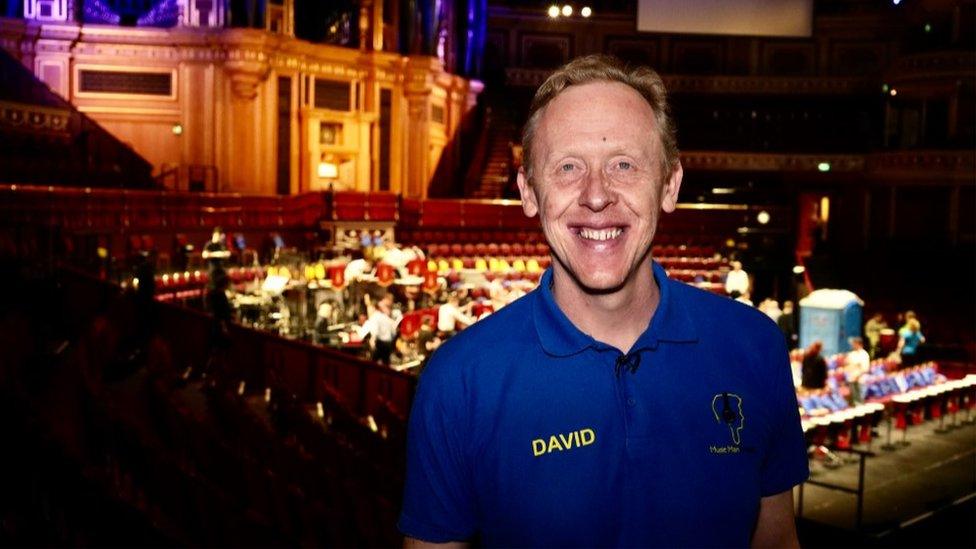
(596, 193)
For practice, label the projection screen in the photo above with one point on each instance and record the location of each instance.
(787, 18)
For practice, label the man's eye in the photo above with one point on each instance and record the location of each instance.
(567, 167)
(624, 165)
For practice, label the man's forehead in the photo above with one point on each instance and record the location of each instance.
(607, 112)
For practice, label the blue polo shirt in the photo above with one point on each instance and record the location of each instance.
(527, 432)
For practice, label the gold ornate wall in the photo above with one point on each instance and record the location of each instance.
(227, 98)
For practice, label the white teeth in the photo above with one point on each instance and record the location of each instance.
(600, 234)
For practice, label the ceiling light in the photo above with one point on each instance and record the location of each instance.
(553, 11)
(763, 217)
(567, 10)
(586, 11)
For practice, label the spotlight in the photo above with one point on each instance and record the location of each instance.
(824, 166)
(896, 2)
(798, 269)
(586, 11)
(893, 92)
(567, 10)
(885, 88)
(928, 27)
(553, 11)
(763, 217)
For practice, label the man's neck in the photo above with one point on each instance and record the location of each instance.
(617, 318)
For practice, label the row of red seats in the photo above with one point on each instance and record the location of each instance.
(487, 249)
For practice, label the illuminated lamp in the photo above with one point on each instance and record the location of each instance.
(586, 11)
(763, 217)
(825, 209)
(893, 92)
(823, 166)
(553, 11)
(328, 170)
(567, 10)
(177, 129)
(798, 269)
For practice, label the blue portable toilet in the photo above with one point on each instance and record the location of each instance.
(831, 316)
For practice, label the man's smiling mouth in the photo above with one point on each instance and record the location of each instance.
(599, 235)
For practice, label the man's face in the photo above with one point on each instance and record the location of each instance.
(596, 183)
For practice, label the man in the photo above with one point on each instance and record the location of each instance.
(381, 325)
(857, 363)
(872, 331)
(814, 367)
(215, 253)
(787, 325)
(451, 314)
(607, 407)
(737, 281)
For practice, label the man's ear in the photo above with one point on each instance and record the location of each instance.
(669, 200)
(530, 204)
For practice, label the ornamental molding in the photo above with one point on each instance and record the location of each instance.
(942, 162)
(917, 164)
(955, 64)
(734, 161)
(814, 85)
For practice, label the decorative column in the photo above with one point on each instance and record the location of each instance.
(247, 139)
(418, 81)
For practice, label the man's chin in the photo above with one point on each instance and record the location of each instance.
(599, 285)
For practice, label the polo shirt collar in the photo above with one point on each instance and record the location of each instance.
(560, 337)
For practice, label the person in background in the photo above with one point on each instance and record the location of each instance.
(737, 281)
(771, 308)
(814, 367)
(872, 331)
(787, 325)
(215, 253)
(910, 338)
(856, 364)
(450, 314)
(381, 326)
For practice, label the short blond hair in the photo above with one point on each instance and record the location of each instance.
(597, 68)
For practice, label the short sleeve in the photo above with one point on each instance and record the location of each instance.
(438, 501)
(785, 464)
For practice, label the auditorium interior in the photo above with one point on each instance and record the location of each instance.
(205, 203)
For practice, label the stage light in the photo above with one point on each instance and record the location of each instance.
(553, 11)
(893, 92)
(567, 10)
(824, 166)
(586, 11)
(928, 27)
(885, 88)
(896, 2)
(763, 217)
(798, 269)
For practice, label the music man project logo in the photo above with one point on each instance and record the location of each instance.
(727, 409)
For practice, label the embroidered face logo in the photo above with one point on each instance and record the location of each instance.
(727, 409)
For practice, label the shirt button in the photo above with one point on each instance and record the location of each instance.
(631, 401)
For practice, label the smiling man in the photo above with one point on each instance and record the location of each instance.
(611, 406)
